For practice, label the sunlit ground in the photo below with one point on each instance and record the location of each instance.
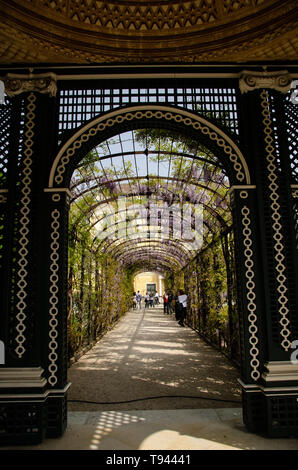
(148, 354)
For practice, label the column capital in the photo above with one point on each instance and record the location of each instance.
(16, 84)
(250, 80)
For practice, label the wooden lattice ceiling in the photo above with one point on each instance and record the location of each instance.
(138, 31)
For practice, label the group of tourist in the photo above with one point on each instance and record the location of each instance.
(172, 303)
(176, 303)
(150, 299)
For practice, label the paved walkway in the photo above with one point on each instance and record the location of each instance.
(148, 354)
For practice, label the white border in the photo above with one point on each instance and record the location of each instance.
(148, 107)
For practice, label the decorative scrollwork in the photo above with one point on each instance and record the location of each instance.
(42, 83)
(54, 268)
(251, 296)
(24, 222)
(251, 80)
(197, 123)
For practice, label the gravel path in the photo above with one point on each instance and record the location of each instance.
(147, 354)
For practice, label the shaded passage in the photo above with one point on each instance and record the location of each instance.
(148, 354)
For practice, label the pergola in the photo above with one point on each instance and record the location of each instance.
(155, 198)
(168, 106)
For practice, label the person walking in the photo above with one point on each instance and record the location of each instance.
(151, 300)
(139, 299)
(170, 299)
(182, 300)
(165, 303)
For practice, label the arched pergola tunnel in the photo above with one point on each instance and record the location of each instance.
(148, 199)
(63, 188)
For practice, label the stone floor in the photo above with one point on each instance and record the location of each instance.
(148, 354)
(153, 365)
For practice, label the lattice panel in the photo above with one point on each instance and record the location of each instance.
(280, 265)
(78, 106)
(56, 416)
(291, 110)
(5, 123)
(22, 422)
(21, 160)
(254, 415)
(284, 415)
(6, 127)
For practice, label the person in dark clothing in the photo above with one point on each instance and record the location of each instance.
(170, 298)
(182, 300)
(176, 306)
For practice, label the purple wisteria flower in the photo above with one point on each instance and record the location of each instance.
(196, 172)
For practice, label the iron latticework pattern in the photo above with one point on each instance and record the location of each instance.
(5, 123)
(156, 144)
(279, 246)
(291, 113)
(11, 141)
(80, 105)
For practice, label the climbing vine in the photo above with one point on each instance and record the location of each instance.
(99, 288)
(211, 287)
(99, 293)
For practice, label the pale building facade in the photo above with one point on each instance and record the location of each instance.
(149, 281)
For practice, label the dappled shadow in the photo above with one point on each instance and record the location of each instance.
(208, 429)
(187, 431)
(149, 355)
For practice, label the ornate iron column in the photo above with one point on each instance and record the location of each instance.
(29, 410)
(270, 401)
